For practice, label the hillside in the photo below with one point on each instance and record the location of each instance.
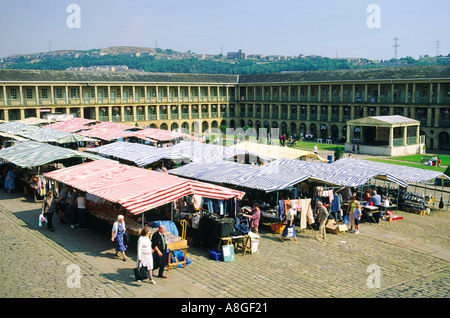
(132, 59)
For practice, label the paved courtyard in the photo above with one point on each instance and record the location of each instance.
(403, 258)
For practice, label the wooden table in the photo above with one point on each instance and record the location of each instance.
(244, 242)
(174, 243)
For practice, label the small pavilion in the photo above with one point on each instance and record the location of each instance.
(385, 135)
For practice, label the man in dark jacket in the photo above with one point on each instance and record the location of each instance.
(159, 245)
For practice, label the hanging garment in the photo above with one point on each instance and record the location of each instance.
(305, 213)
(281, 210)
(331, 195)
(309, 213)
(295, 205)
(335, 204)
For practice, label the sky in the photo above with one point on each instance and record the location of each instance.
(331, 28)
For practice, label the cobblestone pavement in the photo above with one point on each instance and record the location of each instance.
(404, 258)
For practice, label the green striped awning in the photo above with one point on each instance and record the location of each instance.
(33, 154)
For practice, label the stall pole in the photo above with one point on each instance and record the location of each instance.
(171, 211)
(434, 193)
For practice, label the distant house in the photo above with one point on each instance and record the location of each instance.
(236, 55)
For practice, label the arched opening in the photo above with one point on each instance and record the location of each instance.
(334, 133)
(205, 126)
(444, 141)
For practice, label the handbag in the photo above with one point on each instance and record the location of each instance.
(140, 273)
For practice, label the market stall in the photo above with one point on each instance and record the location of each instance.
(73, 125)
(136, 190)
(138, 154)
(34, 158)
(277, 152)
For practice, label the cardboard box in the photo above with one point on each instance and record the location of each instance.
(277, 227)
(335, 228)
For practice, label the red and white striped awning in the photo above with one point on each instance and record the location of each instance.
(136, 189)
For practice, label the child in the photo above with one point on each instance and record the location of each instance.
(357, 216)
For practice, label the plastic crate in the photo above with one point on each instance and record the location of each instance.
(215, 255)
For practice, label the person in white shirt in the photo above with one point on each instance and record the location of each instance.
(315, 149)
(289, 223)
(144, 253)
(81, 204)
(117, 236)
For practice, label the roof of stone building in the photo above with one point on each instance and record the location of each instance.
(86, 77)
(391, 73)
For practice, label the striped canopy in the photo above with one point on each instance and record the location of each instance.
(46, 134)
(243, 175)
(276, 152)
(340, 175)
(33, 154)
(136, 189)
(405, 173)
(282, 173)
(109, 131)
(73, 125)
(141, 155)
(209, 153)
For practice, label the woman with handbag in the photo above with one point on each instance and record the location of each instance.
(144, 254)
(289, 229)
(117, 235)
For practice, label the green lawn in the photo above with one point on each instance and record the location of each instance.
(310, 146)
(415, 165)
(445, 159)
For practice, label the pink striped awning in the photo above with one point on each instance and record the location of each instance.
(73, 125)
(109, 131)
(136, 189)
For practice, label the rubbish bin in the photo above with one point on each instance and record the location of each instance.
(330, 158)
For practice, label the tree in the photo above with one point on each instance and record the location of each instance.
(447, 172)
(338, 153)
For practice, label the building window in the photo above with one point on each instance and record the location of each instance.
(73, 93)
(29, 93)
(424, 91)
(105, 92)
(44, 93)
(58, 93)
(13, 93)
(119, 93)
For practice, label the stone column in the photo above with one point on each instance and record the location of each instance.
(418, 134)
(391, 137)
(405, 136)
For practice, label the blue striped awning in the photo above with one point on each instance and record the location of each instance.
(141, 155)
(244, 175)
(405, 173)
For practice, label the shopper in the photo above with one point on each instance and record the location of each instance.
(72, 199)
(10, 180)
(357, 216)
(48, 208)
(254, 217)
(350, 212)
(117, 234)
(61, 204)
(81, 205)
(323, 217)
(159, 245)
(289, 223)
(376, 200)
(144, 253)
